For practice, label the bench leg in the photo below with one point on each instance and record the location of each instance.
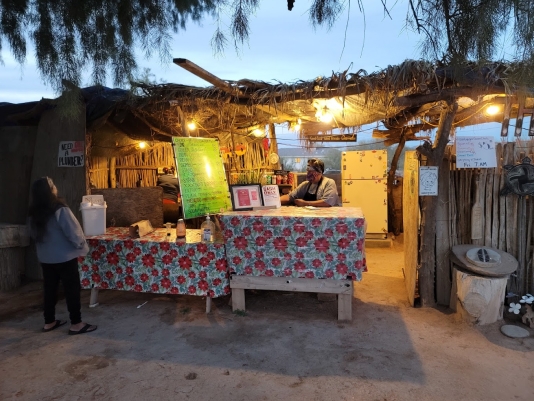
(93, 300)
(344, 307)
(238, 299)
(208, 304)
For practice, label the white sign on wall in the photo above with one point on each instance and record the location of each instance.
(71, 154)
(475, 152)
(428, 181)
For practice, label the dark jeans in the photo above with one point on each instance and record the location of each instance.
(68, 273)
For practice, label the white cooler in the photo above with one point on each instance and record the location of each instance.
(93, 210)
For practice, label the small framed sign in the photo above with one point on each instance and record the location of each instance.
(246, 196)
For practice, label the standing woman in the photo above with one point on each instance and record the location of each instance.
(59, 241)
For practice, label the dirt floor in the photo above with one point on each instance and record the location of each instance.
(288, 346)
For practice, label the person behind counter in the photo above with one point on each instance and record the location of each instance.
(170, 186)
(318, 190)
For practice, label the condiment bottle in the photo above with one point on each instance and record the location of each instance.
(180, 231)
(207, 230)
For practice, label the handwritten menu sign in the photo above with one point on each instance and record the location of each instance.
(203, 184)
(71, 154)
(475, 152)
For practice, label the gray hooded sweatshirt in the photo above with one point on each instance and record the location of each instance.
(63, 240)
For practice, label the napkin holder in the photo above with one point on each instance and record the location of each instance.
(141, 228)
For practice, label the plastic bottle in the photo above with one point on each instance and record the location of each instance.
(180, 231)
(207, 229)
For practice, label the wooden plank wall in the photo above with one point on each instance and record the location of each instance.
(126, 206)
(17, 145)
(507, 220)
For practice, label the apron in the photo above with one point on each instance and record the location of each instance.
(312, 197)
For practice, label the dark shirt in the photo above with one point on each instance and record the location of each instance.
(170, 186)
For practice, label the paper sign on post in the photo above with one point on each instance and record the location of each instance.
(475, 152)
(71, 154)
(428, 181)
(271, 196)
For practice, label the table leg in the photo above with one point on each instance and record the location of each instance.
(208, 304)
(344, 307)
(93, 300)
(238, 299)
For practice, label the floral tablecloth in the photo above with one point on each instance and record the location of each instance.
(151, 264)
(296, 242)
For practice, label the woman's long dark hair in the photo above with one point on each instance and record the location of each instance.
(43, 205)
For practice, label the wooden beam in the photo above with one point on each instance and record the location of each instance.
(205, 75)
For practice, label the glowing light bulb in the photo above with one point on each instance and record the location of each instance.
(492, 110)
(258, 133)
(326, 117)
(142, 145)
(191, 125)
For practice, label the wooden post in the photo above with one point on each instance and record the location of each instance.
(428, 212)
(443, 281)
(112, 172)
(234, 156)
(238, 299)
(273, 148)
(410, 216)
(208, 304)
(93, 299)
(392, 204)
(344, 307)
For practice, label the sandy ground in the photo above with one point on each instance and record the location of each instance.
(288, 346)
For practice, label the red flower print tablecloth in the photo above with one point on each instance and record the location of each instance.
(151, 264)
(296, 242)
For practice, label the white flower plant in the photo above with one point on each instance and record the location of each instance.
(515, 307)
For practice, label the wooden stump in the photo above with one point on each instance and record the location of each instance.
(478, 299)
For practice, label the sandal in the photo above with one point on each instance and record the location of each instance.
(85, 329)
(57, 324)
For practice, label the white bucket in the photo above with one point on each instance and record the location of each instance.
(94, 218)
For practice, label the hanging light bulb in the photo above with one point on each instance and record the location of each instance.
(326, 115)
(258, 133)
(492, 109)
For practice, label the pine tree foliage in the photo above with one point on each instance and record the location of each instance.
(100, 36)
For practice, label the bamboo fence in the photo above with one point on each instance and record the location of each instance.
(140, 169)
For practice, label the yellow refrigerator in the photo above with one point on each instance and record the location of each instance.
(364, 185)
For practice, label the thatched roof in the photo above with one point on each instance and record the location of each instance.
(405, 97)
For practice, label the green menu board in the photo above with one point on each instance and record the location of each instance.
(203, 184)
